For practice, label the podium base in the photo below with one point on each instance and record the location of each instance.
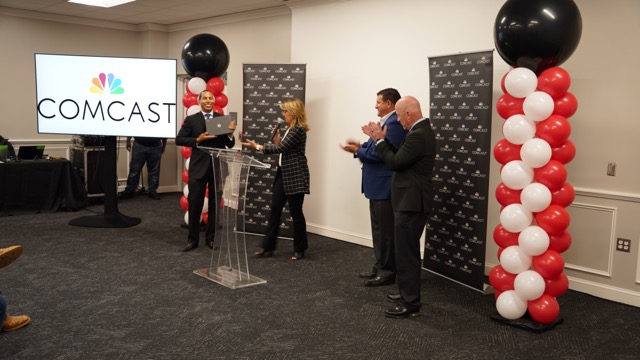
(231, 278)
(115, 220)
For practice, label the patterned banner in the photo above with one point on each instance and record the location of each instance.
(460, 107)
(265, 87)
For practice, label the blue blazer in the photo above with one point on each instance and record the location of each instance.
(376, 175)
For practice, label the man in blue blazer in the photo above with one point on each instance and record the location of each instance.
(376, 186)
(201, 172)
(411, 198)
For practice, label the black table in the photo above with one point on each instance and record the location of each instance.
(40, 186)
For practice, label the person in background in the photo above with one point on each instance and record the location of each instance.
(8, 322)
(411, 198)
(201, 170)
(292, 178)
(376, 186)
(144, 150)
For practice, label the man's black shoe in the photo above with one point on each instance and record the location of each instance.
(125, 195)
(400, 312)
(394, 298)
(154, 196)
(378, 281)
(190, 246)
(367, 275)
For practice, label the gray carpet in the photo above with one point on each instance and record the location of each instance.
(131, 294)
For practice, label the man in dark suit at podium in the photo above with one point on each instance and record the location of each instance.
(201, 171)
(411, 198)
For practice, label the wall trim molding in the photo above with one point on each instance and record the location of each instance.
(610, 195)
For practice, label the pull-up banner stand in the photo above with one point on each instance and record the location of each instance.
(460, 111)
(265, 87)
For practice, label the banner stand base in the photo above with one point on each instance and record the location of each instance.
(527, 323)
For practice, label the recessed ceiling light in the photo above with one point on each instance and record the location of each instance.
(101, 3)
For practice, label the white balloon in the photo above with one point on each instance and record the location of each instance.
(197, 85)
(529, 285)
(520, 82)
(186, 217)
(515, 218)
(185, 191)
(535, 152)
(535, 197)
(186, 163)
(510, 305)
(517, 129)
(533, 241)
(516, 174)
(193, 109)
(514, 260)
(205, 206)
(538, 106)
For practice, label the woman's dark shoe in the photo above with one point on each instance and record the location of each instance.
(297, 256)
(263, 253)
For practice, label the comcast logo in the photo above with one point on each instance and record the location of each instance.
(106, 84)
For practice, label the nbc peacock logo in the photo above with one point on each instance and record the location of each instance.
(106, 84)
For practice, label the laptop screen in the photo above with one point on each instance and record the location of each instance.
(31, 152)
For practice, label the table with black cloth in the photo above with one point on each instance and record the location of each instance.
(40, 186)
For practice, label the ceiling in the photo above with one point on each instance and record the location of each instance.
(163, 12)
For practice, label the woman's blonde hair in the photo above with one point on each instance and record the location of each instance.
(296, 108)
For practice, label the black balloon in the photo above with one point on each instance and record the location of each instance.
(205, 56)
(537, 34)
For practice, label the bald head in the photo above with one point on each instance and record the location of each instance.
(409, 111)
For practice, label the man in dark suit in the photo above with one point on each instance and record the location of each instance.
(376, 186)
(201, 170)
(411, 198)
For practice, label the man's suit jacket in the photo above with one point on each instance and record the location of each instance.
(199, 162)
(376, 175)
(294, 168)
(412, 164)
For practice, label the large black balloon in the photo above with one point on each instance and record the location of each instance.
(537, 34)
(205, 56)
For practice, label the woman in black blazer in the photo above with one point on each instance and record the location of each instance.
(292, 178)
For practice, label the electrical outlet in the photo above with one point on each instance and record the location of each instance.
(623, 245)
(611, 169)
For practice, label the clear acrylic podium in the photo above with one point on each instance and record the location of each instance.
(229, 265)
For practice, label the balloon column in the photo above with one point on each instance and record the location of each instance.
(534, 37)
(205, 58)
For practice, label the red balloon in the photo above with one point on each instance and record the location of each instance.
(500, 250)
(222, 100)
(566, 105)
(560, 243)
(496, 295)
(218, 109)
(507, 196)
(215, 85)
(504, 151)
(544, 310)
(564, 153)
(554, 219)
(185, 175)
(205, 217)
(508, 106)
(549, 265)
(564, 196)
(500, 279)
(189, 99)
(554, 81)
(552, 175)
(555, 130)
(558, 286)
(504, 238)
(504, 89)
(186, 151)
(184, 203)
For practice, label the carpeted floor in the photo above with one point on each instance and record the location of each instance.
(131, 294)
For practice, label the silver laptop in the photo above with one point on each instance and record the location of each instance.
(219, 125)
